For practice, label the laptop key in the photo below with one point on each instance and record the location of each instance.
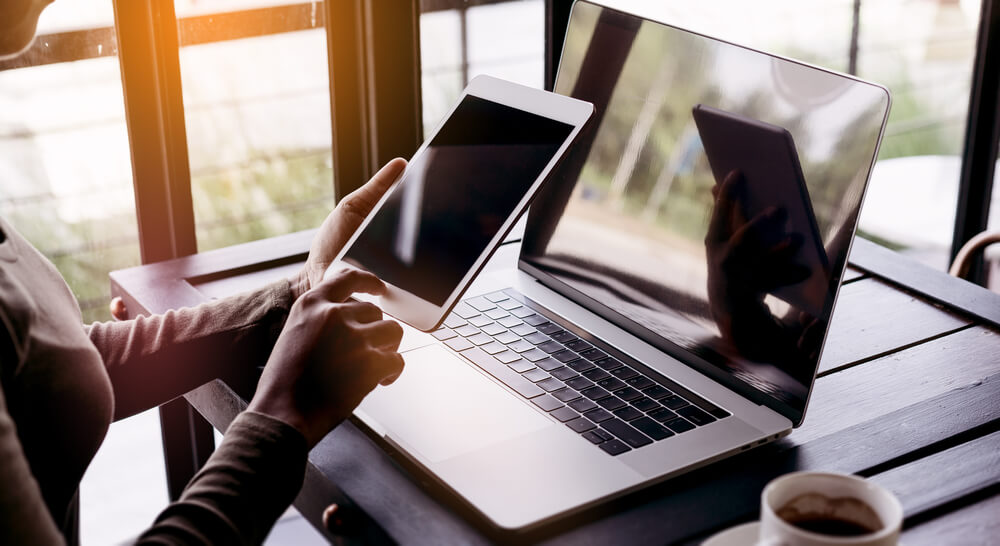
(662, 415)
(598, 415)
(464, 310)
(522, 313)
(593, 355)
(596, 374)
(592, 437)
(507, 356)
(564, 414)
(508, 304)
(578, 345)
(656, 392)
(536, 338)
(611, 383)
(611, 403)
(458, 343)
(674, 402)
(582, 405)
(510, 322)
(535, 375)
(444, 333)
(566, 394)
(467, 330)
(580, 425)
(496, 297)
(578, 383)
(563, 373)
(580, 365)
(628, 394)
(564, 356)
(609, 363)
(695, 415)
(522, 330)
(546, 402)
(678, 425)
(480, 321)
(595, 393)
(645, 404)
(614, 447)
(454, 321)
(548, 364)
(548, 328)
(497, 314)
(534, 355)
(565, 337)
(550, 347)
(518, 365)
(532, 319)
(628, 413)
(506, 337)
(495, 348)
(624, 373)
(638, 382)
(500, 371)
(521, 346)
(551, 384)
(495, 329)
(651, 428)
(626, 433)
(481, 339)
(480, 304)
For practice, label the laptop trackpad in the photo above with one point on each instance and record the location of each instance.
(441, 407)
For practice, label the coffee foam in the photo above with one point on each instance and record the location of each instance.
(812, 506)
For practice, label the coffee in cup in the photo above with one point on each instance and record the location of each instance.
(824, 509)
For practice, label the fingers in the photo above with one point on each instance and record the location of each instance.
(726, 204)
(359, 203)
(382, 334)
(393, 367)
(349, 281)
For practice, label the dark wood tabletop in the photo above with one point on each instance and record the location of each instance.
(908, 395)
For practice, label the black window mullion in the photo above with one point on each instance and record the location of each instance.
(154, 113)
(982, 138)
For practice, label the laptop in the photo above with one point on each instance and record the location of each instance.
(647, 329)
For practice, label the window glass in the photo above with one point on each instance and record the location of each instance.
(459, 41)
(257, 113)
(65, 171)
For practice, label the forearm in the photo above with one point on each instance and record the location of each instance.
(152, 360)
(242, 490)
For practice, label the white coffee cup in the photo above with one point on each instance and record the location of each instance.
(803, 487)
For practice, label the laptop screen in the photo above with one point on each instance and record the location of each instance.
(710, 204)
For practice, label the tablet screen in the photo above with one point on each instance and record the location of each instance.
(455, 196)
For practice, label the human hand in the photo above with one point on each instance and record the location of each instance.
(747, 259)
(341, 223)
(330, 354)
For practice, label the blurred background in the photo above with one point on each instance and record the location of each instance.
(257, 114)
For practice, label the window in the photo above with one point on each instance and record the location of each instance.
(257, 114)
(460, 40)
(65, 173)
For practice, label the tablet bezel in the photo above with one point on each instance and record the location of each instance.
(411, 308)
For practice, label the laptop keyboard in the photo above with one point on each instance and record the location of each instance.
(529, 349)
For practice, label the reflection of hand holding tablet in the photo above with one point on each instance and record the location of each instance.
(773, 186)
(464, 189)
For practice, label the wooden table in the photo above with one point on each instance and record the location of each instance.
(908, 395)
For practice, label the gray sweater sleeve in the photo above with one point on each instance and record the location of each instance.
(152, 360)
(242, 490)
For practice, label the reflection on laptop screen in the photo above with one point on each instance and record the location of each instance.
(710, 205)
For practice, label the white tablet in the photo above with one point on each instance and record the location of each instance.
(461, 193)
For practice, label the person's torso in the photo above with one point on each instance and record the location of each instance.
(53, 378)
